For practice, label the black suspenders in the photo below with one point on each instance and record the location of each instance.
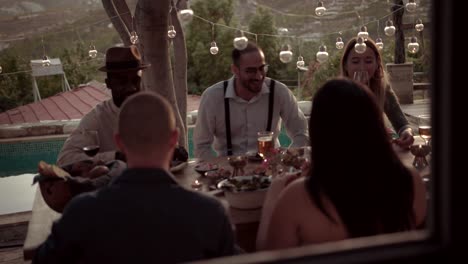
(227, 116)
(227, 119)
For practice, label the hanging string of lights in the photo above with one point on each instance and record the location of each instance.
(240, 40)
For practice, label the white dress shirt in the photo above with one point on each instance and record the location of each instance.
(247, 118)
(103, 118)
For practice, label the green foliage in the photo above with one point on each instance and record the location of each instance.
(15, 89)
(205, 69)
(71, 46)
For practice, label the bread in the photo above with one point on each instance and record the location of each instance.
(50, 170)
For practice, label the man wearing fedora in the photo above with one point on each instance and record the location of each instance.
(124, 68)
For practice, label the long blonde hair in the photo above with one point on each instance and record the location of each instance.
(379, 82)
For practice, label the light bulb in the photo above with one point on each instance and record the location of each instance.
(413, 46)
(282, 31)
(379, 43)
(419, 25)
(45, 61)
(171, 33)
(389, 28)
(214, 49)
(240, 43)
(363, 33)
(360, 47)
(285, 54)
(320, 9)
(339, 43)
(1, 69)
(92, 51)
(185, 15)
(322, 54)
(133, 37)
(411, 6)
(300, 62)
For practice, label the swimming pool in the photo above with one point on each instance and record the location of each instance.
(22, 156)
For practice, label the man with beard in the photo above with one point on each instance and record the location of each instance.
(231, 112)
(123, 68)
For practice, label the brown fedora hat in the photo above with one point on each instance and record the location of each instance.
(121, 59)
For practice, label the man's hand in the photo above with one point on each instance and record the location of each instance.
(405, 140)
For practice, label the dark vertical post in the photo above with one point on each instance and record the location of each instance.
(399, 34)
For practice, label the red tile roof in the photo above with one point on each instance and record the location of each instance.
(68, 105)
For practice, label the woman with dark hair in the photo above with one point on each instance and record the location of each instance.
(357, 186)
(371, 62)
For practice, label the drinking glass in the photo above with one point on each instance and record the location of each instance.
(91, 142)
(362, 77)
(424, 128)
(265, 142)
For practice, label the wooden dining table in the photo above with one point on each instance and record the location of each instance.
(246, 221)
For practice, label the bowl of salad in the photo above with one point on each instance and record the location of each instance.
(245, 192)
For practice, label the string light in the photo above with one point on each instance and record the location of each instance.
(92, 51)
(185, 16)
(171, 33)
(322, 54)
(45, 61)
(339, 43)
(411, 6)
(214, 49)
(360, 47)
(363, 33)
(413, 46)
(134, 37)
(389, 28)
(240, 42)
(320, 9)
(300, 62)
(379, 43)
(419, 25)
(283, 31)
(285, 54)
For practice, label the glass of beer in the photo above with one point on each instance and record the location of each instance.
(265, 142)
(424, 128)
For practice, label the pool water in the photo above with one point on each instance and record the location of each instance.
(22, 157)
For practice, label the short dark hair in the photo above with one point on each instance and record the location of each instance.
(236, 54)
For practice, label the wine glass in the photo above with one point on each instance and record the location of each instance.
(424, 128)
(362, 77)
(91, 140)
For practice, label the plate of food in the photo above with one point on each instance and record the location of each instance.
(245, 192)
(245, 183)
(220, 173)
(177, 165)
(204, 167)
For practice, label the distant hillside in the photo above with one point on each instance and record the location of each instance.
(19, 8)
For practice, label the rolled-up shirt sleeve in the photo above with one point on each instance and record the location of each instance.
(294, 121)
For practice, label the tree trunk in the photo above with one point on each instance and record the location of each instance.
(152, 23)
(117, 21)
(400, 56)
(180, 71)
